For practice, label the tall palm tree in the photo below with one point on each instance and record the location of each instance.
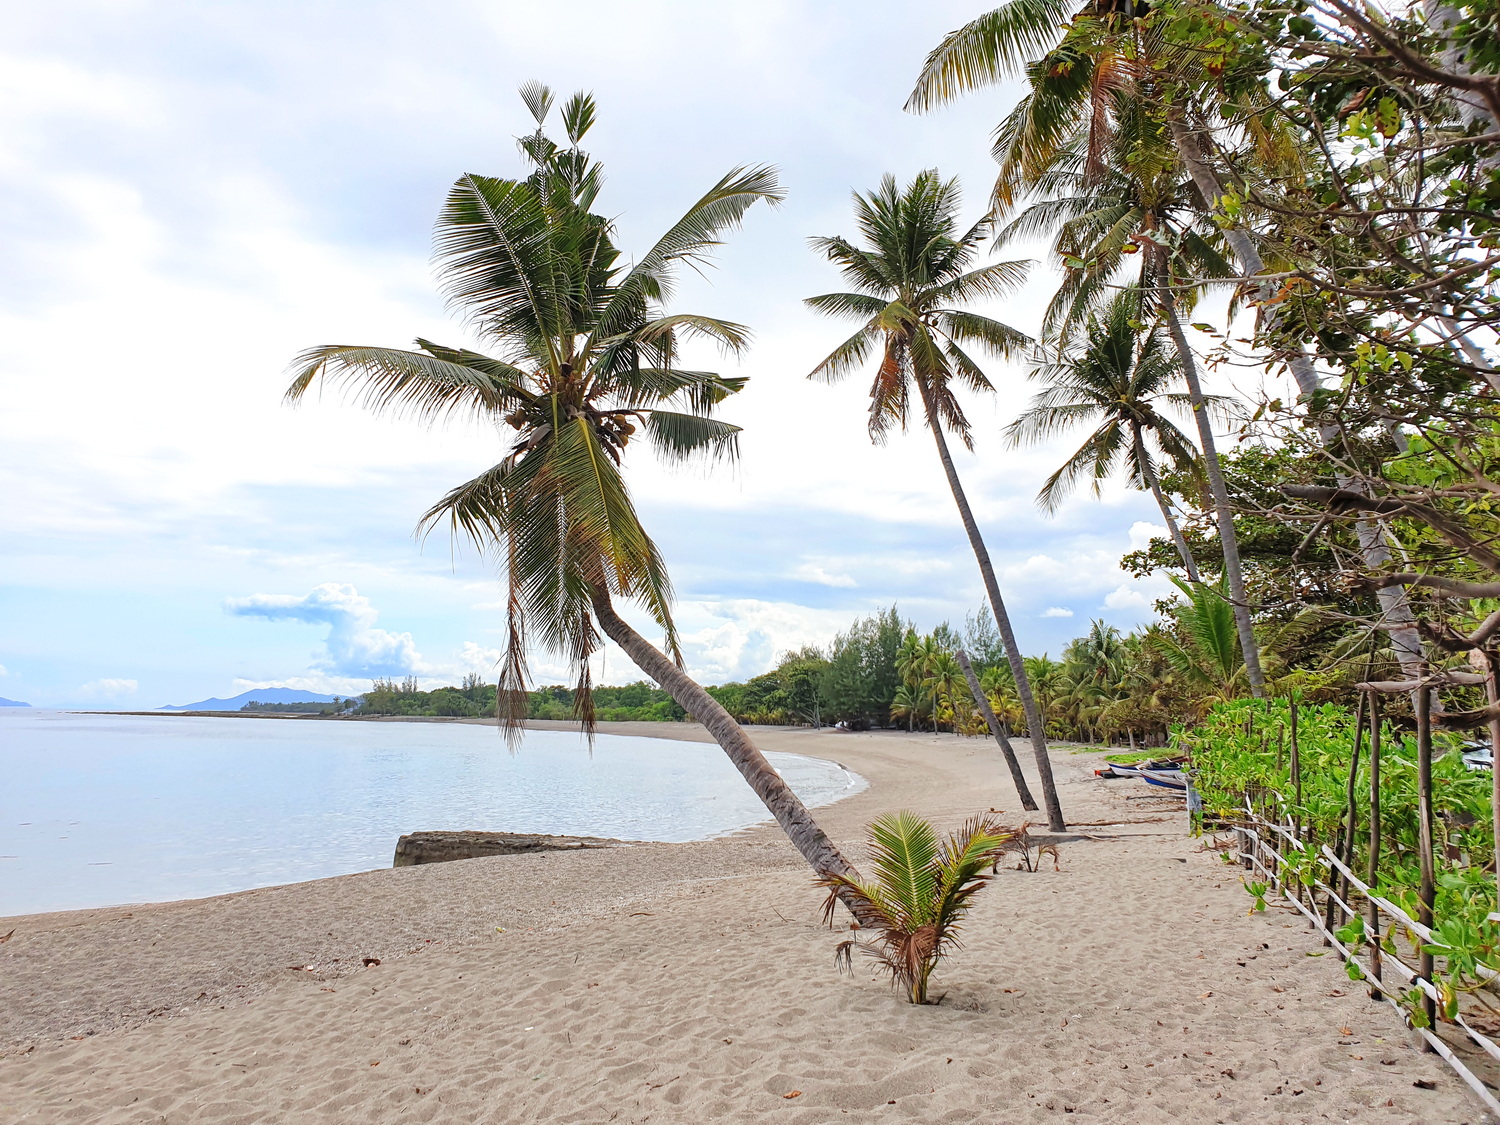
(585, 359)
(911, 279)
(916, 658)
(1084, 58)
(947, 684)
(1045, 674)
(1112, 379)
(1091, 142)
(1100, 161)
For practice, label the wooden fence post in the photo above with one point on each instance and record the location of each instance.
(1492, 696)
(1373, 871)
(1295, 819)
(1343, 844)
(1424, 836)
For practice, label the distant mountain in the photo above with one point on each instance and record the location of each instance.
(12, 703)
(259, 695)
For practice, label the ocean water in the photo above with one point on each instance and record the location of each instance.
(98, 810)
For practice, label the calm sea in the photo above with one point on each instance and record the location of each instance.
(97, 810)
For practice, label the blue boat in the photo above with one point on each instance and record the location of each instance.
(1166, 779)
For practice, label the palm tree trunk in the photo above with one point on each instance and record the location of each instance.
(1228, 541)
(1028, 802)
(1148, 470)
(1397, 619)
(1002, 619)
(819, 851)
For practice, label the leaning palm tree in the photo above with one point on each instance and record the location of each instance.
(585, 359)
(1113, 379)
(911, 279)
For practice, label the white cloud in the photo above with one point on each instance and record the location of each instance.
(472, 657)
(741, 638)
(354, 646)
(811, 572)
(1057, 611)
(919, 566)
(1126, 597)
(477, 658)
(3, 670)
(108, 688)
(1142, 532)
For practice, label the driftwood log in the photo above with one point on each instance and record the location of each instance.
(440, 847)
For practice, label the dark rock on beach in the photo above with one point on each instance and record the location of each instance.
(440, 847)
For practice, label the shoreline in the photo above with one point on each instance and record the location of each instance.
(852, 784)
(693, 982)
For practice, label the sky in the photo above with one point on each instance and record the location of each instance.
(192, 193)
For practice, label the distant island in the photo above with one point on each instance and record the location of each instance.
(12, 703)
(263, 697)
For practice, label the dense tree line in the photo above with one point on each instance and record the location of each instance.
(336, 707)
(1105, 686)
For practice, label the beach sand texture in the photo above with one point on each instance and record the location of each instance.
(693, 983)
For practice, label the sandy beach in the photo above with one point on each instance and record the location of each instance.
(694, 983)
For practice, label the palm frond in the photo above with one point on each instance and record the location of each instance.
(1097, 458)
(865, 268)
(730, 336)
(699, 391)
(994, 280)
(579, 115)
(905, 849)
(859, 306)
(477, 509)
(429, 386)
(681, 437)
(498, 260)
(988, 49)
(966, 370)
(538, 99)
(847, 356)
(999, 340)
(722, 208)
(960, 867)
(1207, 619)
